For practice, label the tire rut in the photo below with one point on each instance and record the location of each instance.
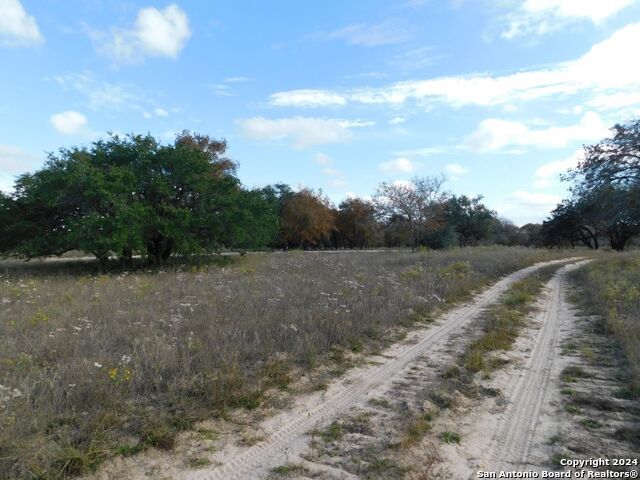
(255, 462)
(512, 441)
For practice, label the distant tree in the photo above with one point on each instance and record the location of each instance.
(420, 203)
(616, 212)
(571, 222)
(7, 219)
(531, 234)
(306, 220)
(471, 219)
(504, 232)
(356, 224)
(396, 231)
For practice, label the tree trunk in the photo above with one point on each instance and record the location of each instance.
(126, 258)
(159, 249)
(103, 259)
(413, 235)
(618, 241)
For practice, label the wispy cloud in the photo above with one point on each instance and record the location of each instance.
(422, 152)
(522, 206)
(301, 132)
(456, 170)
(546, 174)
(605, 67)
(416, 59)
(539, 17)
(14, 160)
(99, 94)
(367, 35)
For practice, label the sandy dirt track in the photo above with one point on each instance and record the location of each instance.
(516, 431)
(285, 434)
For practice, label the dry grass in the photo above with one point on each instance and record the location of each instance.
(610, 287)
(93, 366)
(502, 322)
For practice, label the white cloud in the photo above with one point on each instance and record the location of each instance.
(332, 172)
(99, 94)
(367, 75)
(366, 35)
(156, 33)
(456, 169)
(605, 67)
(546, 174)
(544, 16)
(301, 132)
(221, 90)
(399, 165)
(416, 58)
(69, 122)
(238, 79)
(322, 159)
(307, 98)
(421, 152)
(14, 160)
(17, 27)
(397, 121)
(161, 112)
(337, 183)
(494, 134)
(403, 183)
(523, 207)
(616, 101)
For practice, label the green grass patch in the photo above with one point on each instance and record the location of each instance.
(450, 437)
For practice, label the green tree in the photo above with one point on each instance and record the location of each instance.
(472, 220)
(606, 188)
(132, 194)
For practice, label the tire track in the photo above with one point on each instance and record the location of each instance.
(256, 461)
(512, 442)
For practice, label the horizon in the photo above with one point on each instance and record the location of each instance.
(498, 96)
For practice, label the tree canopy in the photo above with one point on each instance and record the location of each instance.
(605, 192)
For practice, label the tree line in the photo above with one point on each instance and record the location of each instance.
(604, 204)
(132, 195)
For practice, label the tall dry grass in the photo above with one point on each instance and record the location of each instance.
(610, 287)
(97, 365)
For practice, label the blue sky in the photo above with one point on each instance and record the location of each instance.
(498, 95)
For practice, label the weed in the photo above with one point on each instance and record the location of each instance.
(416, 429)
(572, 409)
(590, 423)
(332, 433)
(450, 437)
(198, 462)
(380, 402)
(571, 373)
(128, 450)
(289, 469)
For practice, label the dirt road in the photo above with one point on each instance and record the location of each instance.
(517, 428)
(285, 436)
